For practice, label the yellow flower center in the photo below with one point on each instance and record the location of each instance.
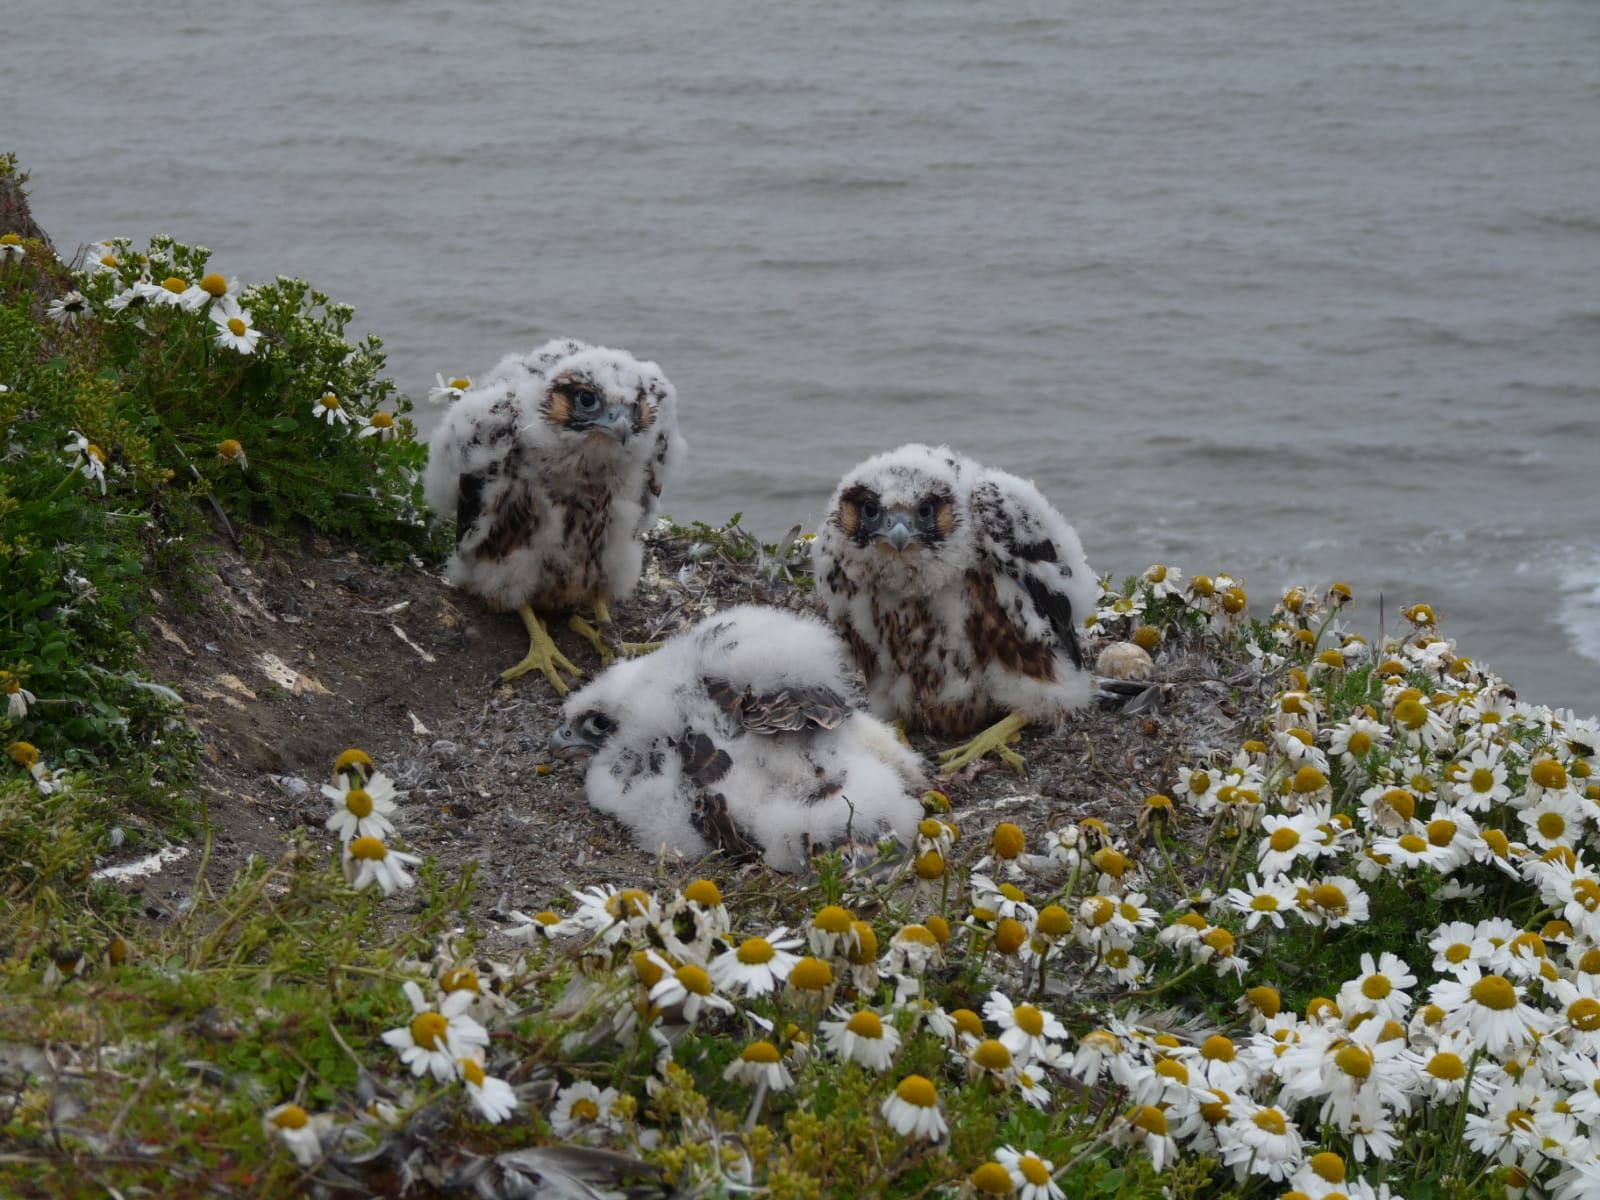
(1441, 832)
(1234, 601)
(866, 948)
(1029, 1019)
(1033, 1170)
(359, 802)
(755, 951)
(630, 902)
(1447, 1066)
(832, 919)
(1008, 840)
(1284, 838)
(1552, 825)
(1354, 1061)
(647, 969)
(1199, 782)
(991, 1055)
(1412, 844)
(694, 980)
(760, 1052)
(427, 1029)
(1495, 992)
(1110, 862)
(810, 975)
(368, 848)
(96, 453)
(1013, 893)
(175, 285)
(865, 1025)
(350, 758)
(585, 1109)
(704, 893)
(1328, 896)
(1376, 987)
(918, 935)
(290, 1116)
(1009, 935)
(1587, 893)
(992, 1179)
(236, 326)
(329, 400)
(939, 927)
(1483, 780)
(1054, 921)
(1220, 940)
(1264, 903)
(24, 754)
(11, 239)
(382, 420)
(230, 448)
(1360, 743)
(461, 385)
(1584, 1015)
(214, 285)
(1150, 1119)
(1411, 713)
(471, 1071)
(1171, 1068)
(917, 1090)
(460, 979)
(1548, 773)
(1271, 1120)
(966, 1022)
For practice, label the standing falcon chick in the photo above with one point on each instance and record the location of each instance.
(554, 467)
(740, 735)
(960, 591)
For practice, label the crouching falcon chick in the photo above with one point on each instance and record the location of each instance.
(741, 735)
(554, 467)
(960, 590)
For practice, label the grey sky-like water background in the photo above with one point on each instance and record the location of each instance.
(1297, 291)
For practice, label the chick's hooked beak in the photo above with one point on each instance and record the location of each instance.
(618, 422)
(897, 529)
(570, 742)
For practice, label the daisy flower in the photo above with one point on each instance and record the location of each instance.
(758, 966)
(1440, 1071)
(292, 1125)
(1147, 1126)
(448, 391)
(1490, 1008)
(1260, 1139)
(863, 1038)
(832, 932)
(362, 811)
(437, 1039)
(1381, 988)
(1163, 581)
(1024, 1029)
(11, 246)
(583, 1108)
(1288, 838)
(1334, 901)
(1030, 1174)
(231, 450)
(912, 1110)
(177, 292)
(610, 913)
(367, 861)
(1354, 741)
(760, 1064)
(136, 296)
(234, 328)
(87, 458)
(16, 696)
(912, 949)
(379, 425)
(490, 1096)
(1482, 783)
(330, 409)
(65, 310)
(690, 989)
(1556, 819)
(1261, 901)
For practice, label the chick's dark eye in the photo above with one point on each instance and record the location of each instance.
(869, 510)
(925, 511)
(601, 723)
(588, 401)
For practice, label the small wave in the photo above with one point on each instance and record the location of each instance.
(1579, 612)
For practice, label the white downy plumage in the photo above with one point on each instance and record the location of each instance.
(960, 589)
(554, 464)
(740, 734)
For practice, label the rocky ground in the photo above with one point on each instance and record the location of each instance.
(292, 658)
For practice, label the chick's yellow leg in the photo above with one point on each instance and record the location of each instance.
(542, 655)
(997, 738)
(604, 637)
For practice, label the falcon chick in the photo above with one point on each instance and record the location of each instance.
(740, 735)
(554, 466)
(960, 590)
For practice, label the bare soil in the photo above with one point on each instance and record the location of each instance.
(291, 659)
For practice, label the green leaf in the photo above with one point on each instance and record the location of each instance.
(283, 424)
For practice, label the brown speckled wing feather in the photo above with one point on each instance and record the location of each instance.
(787, 710)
